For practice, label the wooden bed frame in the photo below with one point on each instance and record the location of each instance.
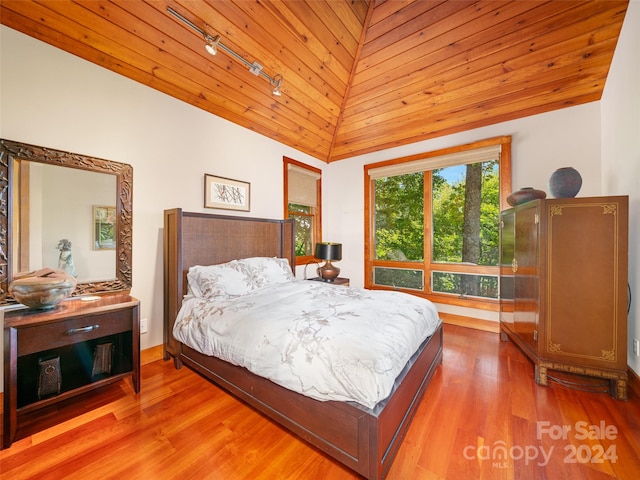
(365, 440)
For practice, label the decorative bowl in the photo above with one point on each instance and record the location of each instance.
(524, 195)
(43, 289)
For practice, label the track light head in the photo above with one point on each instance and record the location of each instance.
(211, 43)
(276, 83)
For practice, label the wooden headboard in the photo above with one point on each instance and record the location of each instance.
(206, 239)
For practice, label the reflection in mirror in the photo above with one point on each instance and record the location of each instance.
(59, 203)
(65, 211)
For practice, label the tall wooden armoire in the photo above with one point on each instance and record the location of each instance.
(563, 286)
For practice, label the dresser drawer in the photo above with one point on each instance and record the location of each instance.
(58, 334)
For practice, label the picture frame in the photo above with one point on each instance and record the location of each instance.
(226, 193)
(104, 227)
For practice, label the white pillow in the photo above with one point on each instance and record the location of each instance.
(268, 270)
(231, 279)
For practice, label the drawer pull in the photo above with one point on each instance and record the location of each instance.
(90, 328)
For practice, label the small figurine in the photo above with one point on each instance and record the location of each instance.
(65, 262)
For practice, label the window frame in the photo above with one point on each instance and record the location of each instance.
(316, 212)
(427, 265)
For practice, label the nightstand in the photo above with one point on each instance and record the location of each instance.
(77, 346)
(343, 282)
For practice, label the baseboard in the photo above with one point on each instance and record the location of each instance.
(470, 322)
(152, 354)
(634, 381)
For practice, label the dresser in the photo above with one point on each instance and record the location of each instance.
(73, 348)
(563, 286)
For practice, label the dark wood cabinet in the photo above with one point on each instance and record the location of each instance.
(79, 345)
(563, 286)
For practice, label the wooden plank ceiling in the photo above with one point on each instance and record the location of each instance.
(359, 75)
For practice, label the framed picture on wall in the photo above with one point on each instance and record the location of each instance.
(104, 227)
(226, 193)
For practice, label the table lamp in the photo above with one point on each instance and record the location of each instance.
(328, 252)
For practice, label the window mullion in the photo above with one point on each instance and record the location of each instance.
(428, 229)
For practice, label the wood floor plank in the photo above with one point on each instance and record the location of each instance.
(483, 417)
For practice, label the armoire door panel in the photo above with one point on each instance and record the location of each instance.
(582, 289)
(527, 278)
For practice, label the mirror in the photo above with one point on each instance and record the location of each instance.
(47, 196)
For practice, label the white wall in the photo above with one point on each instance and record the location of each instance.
(540, 144)
(621, 150)
(51, 98)
(66, 197)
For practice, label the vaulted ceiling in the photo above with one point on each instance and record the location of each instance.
(359, 75)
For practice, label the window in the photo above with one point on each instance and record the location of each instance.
(302, 203)
(433, 227)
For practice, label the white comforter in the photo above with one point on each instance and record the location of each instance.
(323, 341)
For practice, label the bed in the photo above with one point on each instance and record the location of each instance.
(363, 438)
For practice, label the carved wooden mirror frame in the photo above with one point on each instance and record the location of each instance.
(10, 150)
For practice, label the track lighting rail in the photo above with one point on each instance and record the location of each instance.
(213, 43)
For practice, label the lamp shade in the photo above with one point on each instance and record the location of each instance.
(328, 251)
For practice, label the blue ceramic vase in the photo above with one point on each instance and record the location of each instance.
(565, 183)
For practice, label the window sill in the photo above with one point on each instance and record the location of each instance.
(489, 304)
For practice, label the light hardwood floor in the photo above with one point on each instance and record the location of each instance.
(481, 403)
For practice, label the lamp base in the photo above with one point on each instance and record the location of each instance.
(328, 272)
